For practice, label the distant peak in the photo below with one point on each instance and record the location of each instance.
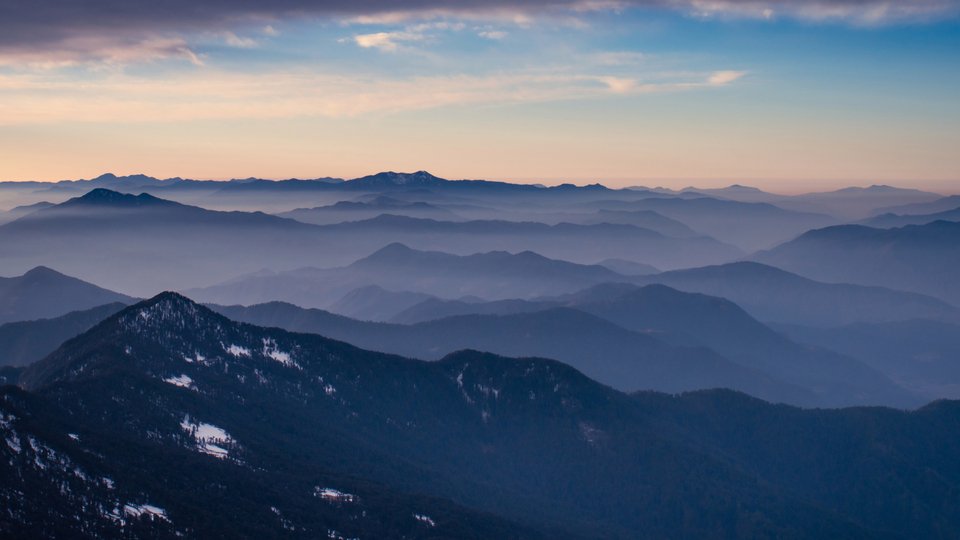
(392, 250)
(110, 178)
(108, 197)
(103, 194)
(741, 187)
(392, 178)
(42, 271)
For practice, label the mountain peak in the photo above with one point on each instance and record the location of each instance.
(391, 178)
(394, 248)
(391, 253)
(110, 178)
(167, 312)
(108, 197)
(42, 272)
(167, 300)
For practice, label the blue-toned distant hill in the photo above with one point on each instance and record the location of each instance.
(25, 342)
(20, 211)
(889, 221)
(628, 337)
(749, 226)
(941, 204)
(775, 295)
(357, 211)
(767, 293)
(43, 293)
(852, 203)
(917, 258)
(919, 354)
(142, 243)
(397, 267)
(374, 303)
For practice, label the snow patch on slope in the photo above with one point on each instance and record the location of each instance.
(272, 351)
(209, 439)
(238, 351)
(183, 381)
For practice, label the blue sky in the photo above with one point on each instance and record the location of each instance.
(788, 96)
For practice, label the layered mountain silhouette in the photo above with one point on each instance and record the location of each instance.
(626, 360)
(357, 211)
(568, 241)
(921, 355)
(271, 431)
(140, 243)
(43, 293)
(852, 203)
(940, 204)
(629, 268)
(917, 258)
(25, 342)
(397, 267)
(775, 295)
(644, 219)
(650, 338)
(20, 211)
(749, 226)
(767, 293)
(373, 303)
(889, 221)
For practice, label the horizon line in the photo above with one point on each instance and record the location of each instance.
(938, 186)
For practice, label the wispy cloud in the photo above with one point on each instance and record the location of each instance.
(234, 40)
(860, 12)
(100, 51)
(386, 41)
(723, 78)
(59, 29)
(495, 35)
(393, 41)
(42, 97)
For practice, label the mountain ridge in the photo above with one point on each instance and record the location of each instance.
(500, 462)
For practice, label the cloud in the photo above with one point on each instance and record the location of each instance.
(860, 12)
(618, 58)
(102, 51)
(619, 85)
(234, 40)
(60, 31)
(494, 35)
(723, 78)
(45, 97)
(38, 21)
(386, 41)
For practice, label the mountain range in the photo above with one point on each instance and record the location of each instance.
(889, 221)
(167, 419)
(917, 258)
(921, 355)
(749, 226)
(42, 293)
(141, 243)
(358, 211)
(771, 294)
(632, 338)
(397, 267)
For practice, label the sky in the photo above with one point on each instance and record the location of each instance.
(787, 95)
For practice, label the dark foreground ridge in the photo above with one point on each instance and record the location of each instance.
(168, 419)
